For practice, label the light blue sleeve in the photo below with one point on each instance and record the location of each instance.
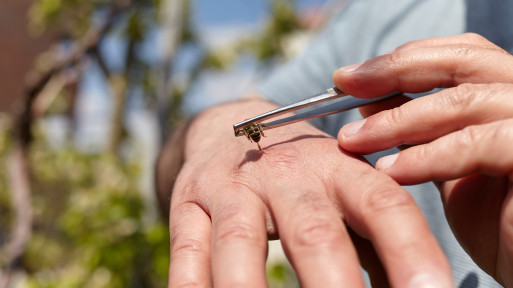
(367, 28)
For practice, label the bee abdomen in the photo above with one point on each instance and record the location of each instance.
(255, 136)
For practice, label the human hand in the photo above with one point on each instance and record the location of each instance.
(464, 134)
(230, 198)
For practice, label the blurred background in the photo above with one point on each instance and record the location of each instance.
(89, 91)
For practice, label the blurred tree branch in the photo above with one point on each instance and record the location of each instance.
(172, 30)
(19, 184)
(36, 84)
(18, 165)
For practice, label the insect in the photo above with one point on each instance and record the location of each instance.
(254, 132)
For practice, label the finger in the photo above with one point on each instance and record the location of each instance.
(376, 107)
(383, 212)
(414, 122)
(479, 148)
(239, 241)
(189, 229)
(314, 238)
(466, 38)
(423, 69)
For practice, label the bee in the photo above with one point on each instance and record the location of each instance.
(254, 132)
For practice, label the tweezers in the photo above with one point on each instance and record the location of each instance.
(345, 102)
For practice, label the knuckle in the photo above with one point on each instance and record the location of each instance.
(384, 198)
(186, 191)
(480, 41)
(235, 233)
(463, 50)
(186, 247)
(190, 182)
(230, 226)
(394, 59)
(423, 152)
(318, 232)
(187, 187)
(469, 137)
(396, 116)
(462, 97)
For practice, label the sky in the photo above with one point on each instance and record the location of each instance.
(226, 12)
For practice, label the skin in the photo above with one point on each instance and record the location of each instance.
(461, 136)
(322, 202)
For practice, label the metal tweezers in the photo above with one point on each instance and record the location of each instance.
(345, 102)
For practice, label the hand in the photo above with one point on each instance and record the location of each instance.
(230, 198)
(464, 134)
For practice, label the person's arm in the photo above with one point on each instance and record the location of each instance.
(464, 134)
(230, 198)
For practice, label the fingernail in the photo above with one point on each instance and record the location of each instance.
(426, 281)
(385, 162)
(352, 128)
(350, 68)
